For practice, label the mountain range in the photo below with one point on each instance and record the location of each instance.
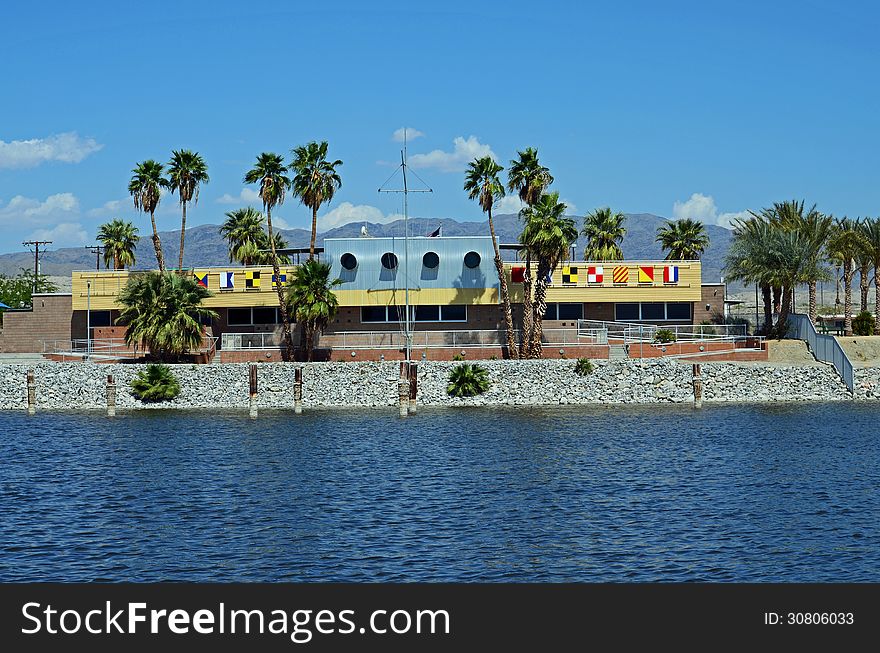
(205, 246)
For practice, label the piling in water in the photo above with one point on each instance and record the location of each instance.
(298, 390)
(698, 387)
(403, 390)
(31, 393)
(413, 386)
(252, 395)
(111, 396)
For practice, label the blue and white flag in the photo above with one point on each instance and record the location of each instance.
(227, 280)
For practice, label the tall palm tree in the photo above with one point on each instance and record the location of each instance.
(164, 313)
(120, 239)
(749, 259)
(187, 171)
(311, 301)
(529, 179)
(269, 172)
(315, 180)
(872, 237)
(604, 230)
(683, 240)
(244, 235)
(145, 188)
(482, 184)
(548, 234)
(864, 261)
(846, 244)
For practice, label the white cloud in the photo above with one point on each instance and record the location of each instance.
(411, 134)
(702, 207)
(111, 208)
(65, 234)
(348, 212)
(26, 211)
(279, 223)
(464, 150)
(67, 148)
(508, 204)
(246, 196)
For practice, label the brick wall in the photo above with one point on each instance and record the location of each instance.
(52, 318)
(712, 296)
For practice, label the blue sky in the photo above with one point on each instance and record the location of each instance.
(700, 109)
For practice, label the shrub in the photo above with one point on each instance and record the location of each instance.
(583, 367)
(458, 358)
(155, 383)
(863, 324)
(468, 380)
(664, 335)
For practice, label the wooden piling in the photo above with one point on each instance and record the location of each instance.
(403, 390)
(413, 386)
(252, 395)
(698, 386)
(31, 393)
(298, 390)
(111, 396)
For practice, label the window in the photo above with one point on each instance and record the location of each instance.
(453, 313)
(427, 313)
(430, 260)
(472, 260)
(652, 312)
(348, 260)
(238, 317)
(626, 312)
(374, 314)
(551, 311)
(99, 319)
(389, 261)
(265, 315)
(571, 311)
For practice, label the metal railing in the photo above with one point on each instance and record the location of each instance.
(420, 339)
(825, 348)
(631, 332)
(104, 348)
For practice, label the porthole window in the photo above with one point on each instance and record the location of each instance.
(431, 260)
(349, 261)
(472, 260)
(389, 261)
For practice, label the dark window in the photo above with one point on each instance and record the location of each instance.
(389, 261)
(349, 261)
(571, 311)
(678, 311)
(238, 316)
(551, 311)
(431, 260)
(427, 313)
(653, 311)
(100, 319)
(453, 313)
(626, 312)
(264, 315)
(472, 260)
(373, 314)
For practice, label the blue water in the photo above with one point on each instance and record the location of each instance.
(729, 493)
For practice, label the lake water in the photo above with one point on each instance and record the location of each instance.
(658, 493)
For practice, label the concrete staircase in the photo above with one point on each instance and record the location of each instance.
(617, 352)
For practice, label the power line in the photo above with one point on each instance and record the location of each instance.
(36, 244)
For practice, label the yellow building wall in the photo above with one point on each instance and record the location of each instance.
(106, 285)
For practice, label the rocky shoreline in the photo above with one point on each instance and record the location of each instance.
(74, 386)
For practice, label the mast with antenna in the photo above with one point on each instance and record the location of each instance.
(407, 334)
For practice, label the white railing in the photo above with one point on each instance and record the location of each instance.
(420, 339)
(81, 348)
(630, 332)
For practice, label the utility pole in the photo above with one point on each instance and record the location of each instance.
(36, 244)
(97, 250)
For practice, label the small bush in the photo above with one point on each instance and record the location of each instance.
(458, 358)
(863, 324)
(468, 380)
(664, 336)
(583, 367)
(155, 383)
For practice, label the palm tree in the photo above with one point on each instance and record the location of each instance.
(311, 300)
(872, 236)
(683, 240)
(864, 260)
(164, 313)
(145, 188)
(529, 179)
(244, 234)
(269, 172)
(749, 259)
(482, 184)
(120, 239)
(315, 180)
(604, 231)
(548, 234)
(846, 245)
(187, 171)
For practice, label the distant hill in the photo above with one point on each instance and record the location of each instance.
(205, 247)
